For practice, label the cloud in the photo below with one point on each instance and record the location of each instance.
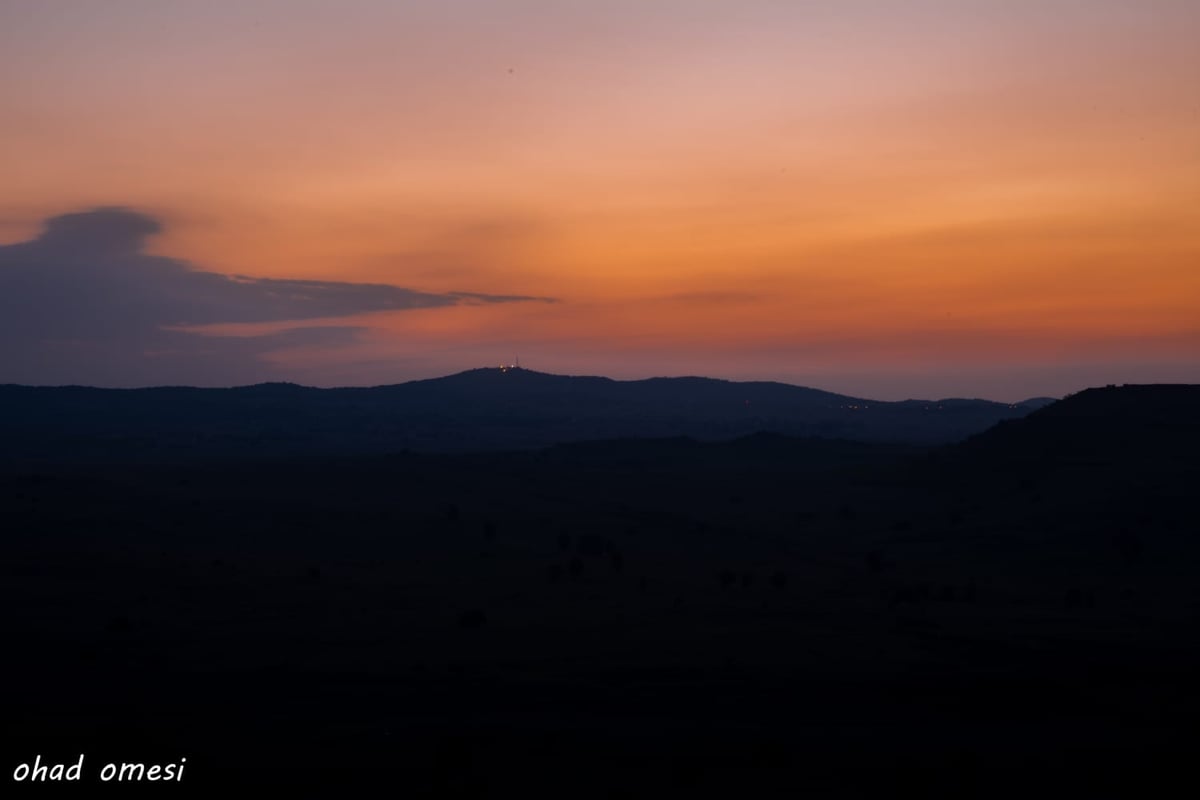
(84, 303)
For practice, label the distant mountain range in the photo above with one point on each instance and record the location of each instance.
(481, 409)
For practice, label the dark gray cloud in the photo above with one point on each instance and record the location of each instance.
(84, 303)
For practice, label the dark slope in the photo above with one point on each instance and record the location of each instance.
(483, 409)
(1010, 616)
(1101, 444)
(1111, 424)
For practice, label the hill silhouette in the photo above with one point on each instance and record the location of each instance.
(483, 409)
(657, 615)
(1097, 444)
(1110, 424)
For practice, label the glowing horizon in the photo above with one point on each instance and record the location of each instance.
(953, 199)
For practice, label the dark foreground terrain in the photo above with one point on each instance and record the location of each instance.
(1012, 616)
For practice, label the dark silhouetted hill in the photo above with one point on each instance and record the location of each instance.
(1118, 435)
(483, 409)
(1112, 424)
(1006, 616)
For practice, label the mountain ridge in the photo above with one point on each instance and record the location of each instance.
(444, 379)
(483, 409)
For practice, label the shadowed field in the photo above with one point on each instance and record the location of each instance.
(646, 615)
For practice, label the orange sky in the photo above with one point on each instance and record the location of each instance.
(928, 198)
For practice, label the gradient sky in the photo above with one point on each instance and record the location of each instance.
(889, 199)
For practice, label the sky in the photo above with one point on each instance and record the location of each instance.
(931, 198)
